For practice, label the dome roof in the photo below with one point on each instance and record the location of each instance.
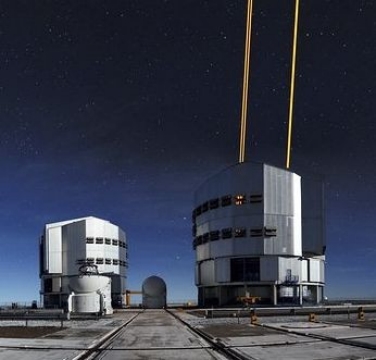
(154, 286)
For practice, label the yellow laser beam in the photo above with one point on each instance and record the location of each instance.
(292, 85)
(247, 54)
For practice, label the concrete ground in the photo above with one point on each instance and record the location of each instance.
(291, 338)
(67, 343)
(157, 335)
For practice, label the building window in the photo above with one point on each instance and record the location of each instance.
(240, 199)
(214, 203)
(47, 285)
(214, 235)
(205, 207)
(107, 241)
(240, 232)
(194, 230)
(226, 200)
(205, 238)
(226, 233)
(99, 240)
(90, 260)
(89, 240)
(255, 198)
(270, 231)
(115, 261)
(108, 262)
(99, 261)
(245, 269)
(257, 232)
(115, 242)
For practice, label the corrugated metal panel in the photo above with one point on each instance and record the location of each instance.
(316, 272)
(304, 265)
(322, 271)
(222, 270)
(54, 251)
(74, 246)
(282, 211)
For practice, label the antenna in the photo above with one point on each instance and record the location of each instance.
(292, 84)
(247, 52)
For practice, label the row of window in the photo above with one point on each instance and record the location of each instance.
(102, 261)
(107, 241)
(226, 200)
(228, 233)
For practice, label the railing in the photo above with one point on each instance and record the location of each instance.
(27, 315)
(292, 279)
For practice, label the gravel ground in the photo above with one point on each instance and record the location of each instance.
(40, 328)
(23, 332)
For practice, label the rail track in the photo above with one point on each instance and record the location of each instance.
(109, 347)
(163, 334)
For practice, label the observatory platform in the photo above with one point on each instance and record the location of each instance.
(155, 334)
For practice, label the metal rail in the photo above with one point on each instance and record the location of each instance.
(105, 341)
(227, 351)
(96, 351)
(345, 341)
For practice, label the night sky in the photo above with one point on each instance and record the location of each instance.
(121, 109)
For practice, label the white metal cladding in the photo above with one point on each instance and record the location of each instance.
(316, 270)
(254, 246)
(280, 193)
(269, 268)
(322, 270)
(222, 270)
(231, 179)
(289, 269)
(207, 272)
(74, 246)
(66, 247)
(221, 248)
(282, 207)
(271, 216)
(54, 248)
(304, 265)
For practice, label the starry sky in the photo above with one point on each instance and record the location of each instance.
(121, 109)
